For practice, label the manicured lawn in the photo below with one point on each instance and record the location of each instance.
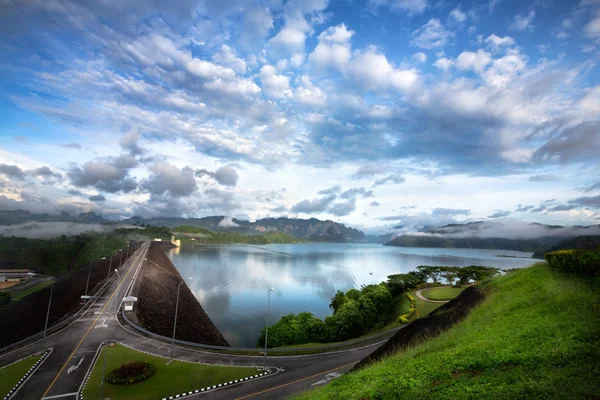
(169, 380)
(442, 293)
(11, 374)
(534, 336)
(33, 289)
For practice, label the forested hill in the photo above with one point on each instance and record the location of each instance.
(308, 229)
(580, 242)
(526, 245)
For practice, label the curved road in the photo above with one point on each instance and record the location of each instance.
(62, 373)
(420, 296)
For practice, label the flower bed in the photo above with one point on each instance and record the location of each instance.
(128, 374)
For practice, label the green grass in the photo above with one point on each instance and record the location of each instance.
(442, 293)
(169, 380)
(534, 336)
(32, 289)
(12, 373)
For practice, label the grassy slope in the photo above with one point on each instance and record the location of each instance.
(33, 289)
(442, 293)
(12, 373)
(169, 380)
(534, 336)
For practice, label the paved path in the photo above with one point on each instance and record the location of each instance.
(61, 375)
(420, 296)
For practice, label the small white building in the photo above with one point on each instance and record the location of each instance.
(128, 302)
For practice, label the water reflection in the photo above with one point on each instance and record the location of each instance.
(232, 280)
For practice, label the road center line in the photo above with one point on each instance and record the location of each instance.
(60, 395)
(88, 331)
(296, 381)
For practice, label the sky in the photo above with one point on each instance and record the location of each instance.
(380, 114)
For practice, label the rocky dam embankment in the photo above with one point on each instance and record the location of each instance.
(156, 290)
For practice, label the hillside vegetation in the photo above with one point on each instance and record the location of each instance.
(580, 242)
(534, 336)
(205, 236)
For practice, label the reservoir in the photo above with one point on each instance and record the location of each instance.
(231, 281)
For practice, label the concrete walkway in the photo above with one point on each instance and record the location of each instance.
(420, 296)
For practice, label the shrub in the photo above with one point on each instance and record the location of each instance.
(586, 262)
(128, 374)
(412, 299)
(403, 319)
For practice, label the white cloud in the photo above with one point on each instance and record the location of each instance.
(420, 57)
(308, 93)
(291, 38)
(256, 26)
(592, 29)
(443, 63)
(208, 70)
(274, 85)
(333, 50)
(475, 61)
(457, 15)
(431, 35)
(496, 42)
(371, 69)
(504, 69)
(297, 59)
(523, 22)
(410, 6)
(228, 58)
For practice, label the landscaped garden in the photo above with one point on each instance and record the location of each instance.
(442, 293)
(152, 377)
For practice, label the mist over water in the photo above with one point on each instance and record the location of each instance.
(231, 281)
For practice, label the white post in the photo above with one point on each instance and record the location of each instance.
(267, 327)
(110, 264)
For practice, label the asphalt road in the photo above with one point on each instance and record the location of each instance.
(61, 375)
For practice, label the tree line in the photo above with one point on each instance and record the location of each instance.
(359, 311)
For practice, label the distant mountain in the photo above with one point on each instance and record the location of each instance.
(14, 217)
(526, 245)
(309, 229)
(580, 242)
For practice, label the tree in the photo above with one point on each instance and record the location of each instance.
(400, 283)
(337, 301)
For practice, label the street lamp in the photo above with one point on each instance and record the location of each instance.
(48, 312)
(175, 322)
(87, 283)
(267, 327)
(110, 264)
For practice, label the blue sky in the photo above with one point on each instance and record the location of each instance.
(378, 114)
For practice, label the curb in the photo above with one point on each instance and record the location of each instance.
(28, 374)
(213, 387)
(90, 369)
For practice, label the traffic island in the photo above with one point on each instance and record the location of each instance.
(16, 374)
(169, 380)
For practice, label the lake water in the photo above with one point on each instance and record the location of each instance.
(231, 281)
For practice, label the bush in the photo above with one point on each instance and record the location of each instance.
(128, 374)
(403, 319)
(410, 298)
(585, 262)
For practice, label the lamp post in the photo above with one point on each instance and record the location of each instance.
(267, 327)
(175, 320)
(110, 264)
(48, 311)
(87, 283)
(120, 257)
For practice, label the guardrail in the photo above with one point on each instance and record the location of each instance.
(254, 349)
(64, 321)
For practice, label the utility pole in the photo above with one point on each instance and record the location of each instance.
(267, 327)
(48, 311)
(110, 264)
(87, 283)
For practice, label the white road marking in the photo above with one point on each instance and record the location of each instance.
(102, 325)
(74, 367)
(60, 395)
(328, 377)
